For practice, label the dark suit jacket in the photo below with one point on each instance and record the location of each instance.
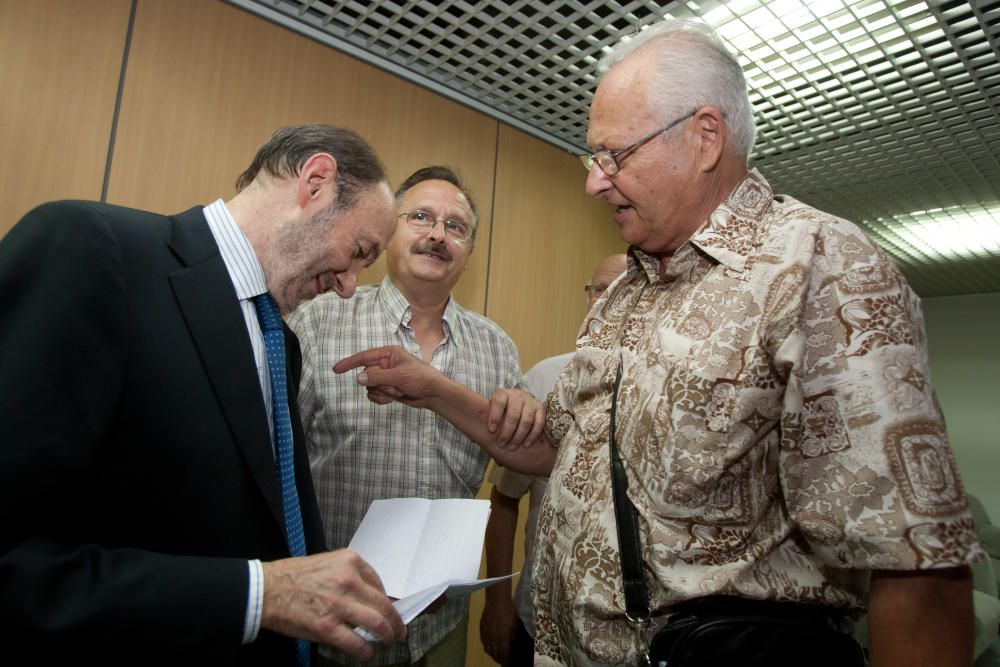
(136, 467)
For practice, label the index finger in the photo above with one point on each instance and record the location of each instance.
(376, 613)
(498, 405)
(537, 429)
(381, 356)
(375, 599)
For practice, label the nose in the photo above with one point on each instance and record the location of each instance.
(345, 282)
(432, 232)
(598, 182)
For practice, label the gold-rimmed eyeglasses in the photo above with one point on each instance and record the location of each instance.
(610, 161)
(422, 221)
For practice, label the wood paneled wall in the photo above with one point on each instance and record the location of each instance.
(207, 83)
(204, 85)
(58, 82)
(547, 239)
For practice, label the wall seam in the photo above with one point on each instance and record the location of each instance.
(118, 102)
(493, 220)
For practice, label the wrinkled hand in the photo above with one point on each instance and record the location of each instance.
(518, 416)
(322, 598)
(497, 626)
(392, 374)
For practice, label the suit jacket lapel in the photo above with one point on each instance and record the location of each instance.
(208, 300)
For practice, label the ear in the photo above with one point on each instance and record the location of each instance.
(317, 176)
(712, 134)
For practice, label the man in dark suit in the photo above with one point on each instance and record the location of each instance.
(144, 518)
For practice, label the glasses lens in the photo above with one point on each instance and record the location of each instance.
(457, 229)
(419, 220)
(606, 161)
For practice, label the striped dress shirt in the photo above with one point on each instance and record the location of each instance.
(248, 279)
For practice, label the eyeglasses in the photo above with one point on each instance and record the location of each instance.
(594, 291)
(610, 161)
(422, 221)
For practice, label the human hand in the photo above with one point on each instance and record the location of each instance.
(323, 597)
(518, 416)
(497, 626)
(392, 374)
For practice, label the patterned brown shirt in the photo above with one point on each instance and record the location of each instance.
(776, 421)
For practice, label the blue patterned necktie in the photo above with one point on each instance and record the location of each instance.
(274, 340)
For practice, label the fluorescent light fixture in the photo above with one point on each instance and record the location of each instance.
(807, 51)
(954, 232)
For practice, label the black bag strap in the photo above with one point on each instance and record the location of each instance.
(626, 518)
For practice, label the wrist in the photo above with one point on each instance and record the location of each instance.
(498, 592)
(441, 394)
(271, 599)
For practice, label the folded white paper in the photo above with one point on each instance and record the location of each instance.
(422, 549)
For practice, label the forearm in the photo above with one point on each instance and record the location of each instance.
(500, 531)
(469, 413)
(127, 598)
(392, 374)
(499, 620)
(921, 618)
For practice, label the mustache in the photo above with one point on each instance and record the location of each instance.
(438, 248)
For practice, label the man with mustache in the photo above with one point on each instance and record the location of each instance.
(360, 452)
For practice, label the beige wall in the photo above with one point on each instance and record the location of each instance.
(548, 238)
(58, 79)
(204, 85)
(231, 78)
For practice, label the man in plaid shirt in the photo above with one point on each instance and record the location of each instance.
(360, 452)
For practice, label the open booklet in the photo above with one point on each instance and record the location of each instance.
(424, 548)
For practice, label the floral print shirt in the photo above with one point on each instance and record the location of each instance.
(776, 421)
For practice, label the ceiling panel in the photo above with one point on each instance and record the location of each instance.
(884, 112)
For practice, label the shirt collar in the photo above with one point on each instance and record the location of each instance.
(396, 307)
(451, 315)
(394, 304)
(731, 233)
(637, 260)
(238, 255)
(734, 229)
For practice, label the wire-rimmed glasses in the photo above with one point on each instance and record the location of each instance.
(609, 161)
(422, 221)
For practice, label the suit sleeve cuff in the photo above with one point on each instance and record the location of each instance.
(255, 601)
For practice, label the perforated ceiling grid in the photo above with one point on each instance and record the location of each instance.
(882, 111)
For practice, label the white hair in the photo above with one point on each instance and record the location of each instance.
(694, 69)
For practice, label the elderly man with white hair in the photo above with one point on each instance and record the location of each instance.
(762, 370)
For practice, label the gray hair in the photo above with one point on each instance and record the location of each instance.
(693, 69)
